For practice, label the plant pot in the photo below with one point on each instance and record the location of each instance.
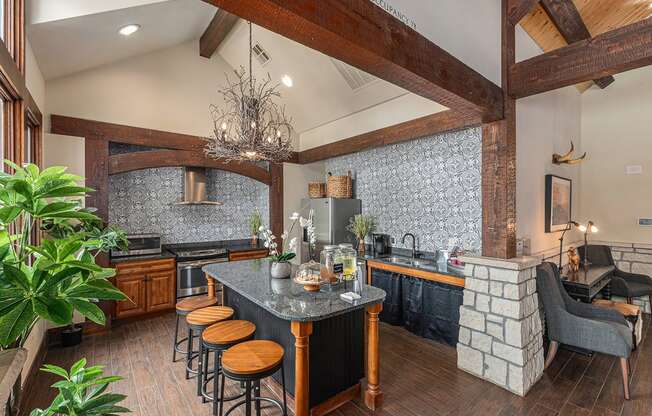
(71, 336)
(281, 270)
(254, 241)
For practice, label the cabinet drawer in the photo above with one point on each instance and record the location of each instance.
(248, 255)
(130, 267)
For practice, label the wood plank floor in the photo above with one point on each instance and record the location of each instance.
(419, 377)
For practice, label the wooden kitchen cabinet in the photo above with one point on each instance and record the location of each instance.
(150, 286)
(248, 255)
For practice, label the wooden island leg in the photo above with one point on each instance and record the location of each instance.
(373, 396)
(301, 332)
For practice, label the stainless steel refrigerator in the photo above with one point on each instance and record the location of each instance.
(331, 217)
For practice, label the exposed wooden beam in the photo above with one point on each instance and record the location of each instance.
(216, 31)
(127, 162)
(499, 164)
(610, 53)
(437, 123)
(119, 133)
(365, 36)
(517, 9)
(565, 16)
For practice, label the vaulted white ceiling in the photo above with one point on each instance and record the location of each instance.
(327, 94)
(82, 34)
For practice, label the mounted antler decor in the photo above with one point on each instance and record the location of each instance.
(566, 159)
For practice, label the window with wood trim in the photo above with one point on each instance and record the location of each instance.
(12, 31)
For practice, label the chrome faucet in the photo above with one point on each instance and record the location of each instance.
(414, 240)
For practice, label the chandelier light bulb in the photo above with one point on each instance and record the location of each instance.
(223, 126)
(594, 229)
(253, 124)
(582, 228)
(287, 81)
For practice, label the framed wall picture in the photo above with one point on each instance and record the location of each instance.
(559, 196)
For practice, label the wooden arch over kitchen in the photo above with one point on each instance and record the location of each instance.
(175, 150)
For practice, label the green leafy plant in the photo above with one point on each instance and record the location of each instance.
(82, 392)
(361, 225)
(60, 275)
(255, 222)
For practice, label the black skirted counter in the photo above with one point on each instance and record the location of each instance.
(323, 336)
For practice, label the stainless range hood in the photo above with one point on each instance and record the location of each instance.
(194, 187)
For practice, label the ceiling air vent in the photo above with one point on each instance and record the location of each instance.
(353, 76)
(261, 54)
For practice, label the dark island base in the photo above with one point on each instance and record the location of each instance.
(335, 354)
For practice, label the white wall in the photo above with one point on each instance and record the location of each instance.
(36, 87)
(168, 90)
(616, 133)
(403, 108)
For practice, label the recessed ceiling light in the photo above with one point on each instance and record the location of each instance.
(287, 81)
(129, 29)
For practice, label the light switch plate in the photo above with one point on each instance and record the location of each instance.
(633, 169)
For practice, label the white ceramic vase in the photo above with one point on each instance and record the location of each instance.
(281, 270)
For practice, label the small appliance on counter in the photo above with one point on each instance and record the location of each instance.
(381, 244)
(140, 245)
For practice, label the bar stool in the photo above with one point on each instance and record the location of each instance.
(199, 320)
(184, 307)
(218, 338)
(248, 363)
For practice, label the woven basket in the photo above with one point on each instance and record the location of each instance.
(340, 186)
(317, 190)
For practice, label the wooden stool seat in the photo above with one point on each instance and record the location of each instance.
(208, 316)
(187, 305)
(252, 357)
(228, 332)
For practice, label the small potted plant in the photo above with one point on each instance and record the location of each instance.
(361, 226)
(281, 268)
(82, 392)
(255, 222)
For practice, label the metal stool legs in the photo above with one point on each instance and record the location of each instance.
(177, 342)
(252, 394)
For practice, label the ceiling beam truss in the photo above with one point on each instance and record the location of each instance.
(217, 30)
(610, 53)
(365, 36)
(565, 16)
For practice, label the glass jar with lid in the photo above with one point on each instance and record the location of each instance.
(329, 269)
(348, 258)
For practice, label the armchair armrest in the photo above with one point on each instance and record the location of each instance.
(633, 277)
(588, 311)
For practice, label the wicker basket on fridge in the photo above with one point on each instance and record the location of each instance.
(340, 186)
(317, 190)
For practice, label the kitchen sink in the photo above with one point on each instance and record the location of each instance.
(408, 261)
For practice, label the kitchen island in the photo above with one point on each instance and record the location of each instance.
(323, 336)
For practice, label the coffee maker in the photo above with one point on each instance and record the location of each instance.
(381, 244)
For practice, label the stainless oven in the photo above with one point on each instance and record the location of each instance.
(140, 245)
(191, 280)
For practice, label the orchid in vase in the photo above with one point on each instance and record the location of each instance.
(281, 258)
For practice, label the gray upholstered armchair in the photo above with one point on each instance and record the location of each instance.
(582, 325)
(624, 284)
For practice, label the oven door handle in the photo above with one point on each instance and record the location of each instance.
(192, 265)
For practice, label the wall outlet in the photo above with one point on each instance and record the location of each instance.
(633, 170)
(523, 247)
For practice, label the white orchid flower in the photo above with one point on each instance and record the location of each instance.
(284, 235)
(294, 216)
(261, 228)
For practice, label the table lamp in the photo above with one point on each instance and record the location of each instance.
(586, 229)
(570, 225)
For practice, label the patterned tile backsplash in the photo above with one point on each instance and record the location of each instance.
(429, 187)
(143, 202)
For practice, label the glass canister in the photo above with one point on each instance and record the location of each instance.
(329, 268)
(349, 259)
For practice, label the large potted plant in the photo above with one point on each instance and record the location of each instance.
(59, 275)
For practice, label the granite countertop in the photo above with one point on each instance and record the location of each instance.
(164, 254)
(433, 266)
(284, 298)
